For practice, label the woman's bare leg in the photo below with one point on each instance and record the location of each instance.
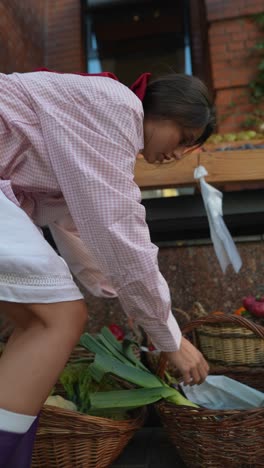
(38, 351)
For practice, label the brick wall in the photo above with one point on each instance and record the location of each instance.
(64, 49)
(232, 34)
(40, 33)
(21, 35)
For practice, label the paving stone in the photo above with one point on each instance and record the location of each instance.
(149, 448)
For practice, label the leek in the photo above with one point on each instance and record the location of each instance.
(131, 399)
(113, 357)
(113, 351)
(108, 364)
(92, 344)
(125, 349)
(106, 344)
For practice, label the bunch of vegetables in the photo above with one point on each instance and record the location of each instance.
(79, 385)
(115, 382)
(253, 308)
(254, 305)
(76, 383)
(118, 359)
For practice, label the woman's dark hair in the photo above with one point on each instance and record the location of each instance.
(183, 99)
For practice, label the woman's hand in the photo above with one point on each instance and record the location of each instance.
(190, 363)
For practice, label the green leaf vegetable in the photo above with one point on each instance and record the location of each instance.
(128, 368)
(98, 388)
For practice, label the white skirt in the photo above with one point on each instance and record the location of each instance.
(30, 269)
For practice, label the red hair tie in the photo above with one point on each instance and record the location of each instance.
(138, 87)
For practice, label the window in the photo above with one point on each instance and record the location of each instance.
(128, 38)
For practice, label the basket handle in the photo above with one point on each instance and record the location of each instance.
(181, 313)
(198, 311)
(221, 317)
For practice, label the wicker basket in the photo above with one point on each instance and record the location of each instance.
(250, 374)
(230, 340)
(207, 438)
(67, 439)
(210, 438)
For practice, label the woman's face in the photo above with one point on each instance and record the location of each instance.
(164, 140)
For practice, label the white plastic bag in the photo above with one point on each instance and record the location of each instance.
(220, 392)
(223, 243)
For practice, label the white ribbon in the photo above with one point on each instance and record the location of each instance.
(223, 243)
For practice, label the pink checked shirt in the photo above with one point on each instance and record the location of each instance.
(68, 151)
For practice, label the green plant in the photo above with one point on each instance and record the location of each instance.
(255, 118)
(257, 84)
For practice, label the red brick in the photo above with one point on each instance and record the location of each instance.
(219, 67)
(255, 34)
(235, 26)
(224, 97)
(218, 48)
(250, 44)
(223, 83)
(236, 45)
(243, 35)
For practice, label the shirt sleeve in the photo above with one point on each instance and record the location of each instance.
(79, 259)
(93, 155)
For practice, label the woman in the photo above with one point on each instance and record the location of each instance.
(68, 150)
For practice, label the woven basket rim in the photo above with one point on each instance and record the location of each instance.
(222, 318)
(209, 412)
(75, 417)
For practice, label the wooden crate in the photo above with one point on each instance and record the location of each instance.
(246, 166)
